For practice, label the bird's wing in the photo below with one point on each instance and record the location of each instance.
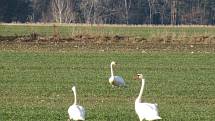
(147, 111)
(76, 112)
(119, 80)
(82, 111)
(148, 108)
(152, 106)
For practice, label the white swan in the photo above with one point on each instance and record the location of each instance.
(76, 112)
(115, 80)
(147, 111)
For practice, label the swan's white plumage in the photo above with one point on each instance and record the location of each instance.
(147, 111)
(115, 80)
(76, 112)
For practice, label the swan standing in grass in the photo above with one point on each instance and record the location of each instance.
(115, 80)
(147, 111)
(76, 112)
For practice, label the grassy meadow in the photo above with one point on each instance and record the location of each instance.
(37, 85)
(36, 79)
(67, 30)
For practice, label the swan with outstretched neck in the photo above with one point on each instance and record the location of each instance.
(145, 111)
(76, 112)
(115, 80)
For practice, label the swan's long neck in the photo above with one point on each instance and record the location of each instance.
(141, 90)
(75, 98)
(111, 69)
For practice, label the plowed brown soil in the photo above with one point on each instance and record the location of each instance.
(117, 42)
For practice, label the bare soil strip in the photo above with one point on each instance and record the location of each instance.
(200, 43)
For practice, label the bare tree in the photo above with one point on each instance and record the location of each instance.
(127, 7)
(87, 7)
(63, 10)
(120, 11)
(151, 2)
(41, 11)
(173, 11)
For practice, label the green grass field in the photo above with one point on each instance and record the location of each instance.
(67, 30)
(36, 86)
(36, 80)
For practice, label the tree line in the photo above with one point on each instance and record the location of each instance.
(109, 11)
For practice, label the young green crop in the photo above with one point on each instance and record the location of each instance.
(68, 30)
(37, 85)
